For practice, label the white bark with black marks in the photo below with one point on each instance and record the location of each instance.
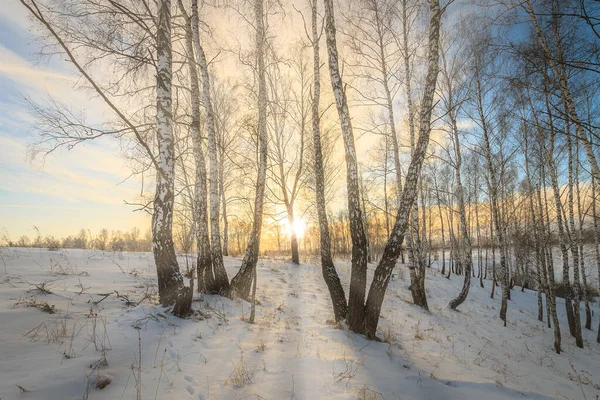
(358, 279)
(409, 193)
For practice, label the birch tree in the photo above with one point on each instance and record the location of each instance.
(200, 207)
(330, 275)
(452, 99)
(241, 282)
(409, 193)
(358, 279)
(219, 275)
(57, 21)
(171, 288)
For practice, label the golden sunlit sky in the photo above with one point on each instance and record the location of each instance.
(68, 190)
(87, 187)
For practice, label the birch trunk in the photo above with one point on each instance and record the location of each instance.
(596, 240)
(224, 203)
(358, 279)
(409, 194)
(588, 311)
(221, 282)
(171, 288)
(570, 231)
(330, 275)
(493, 183)
(439, 201)
(204, 262)
(549, 154)
(551, 284)
(241, 282)
(466, 255)
(417, 264)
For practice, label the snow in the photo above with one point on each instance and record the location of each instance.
(292, 351)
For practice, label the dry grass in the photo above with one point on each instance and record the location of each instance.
(102, 382)
(56, 332)
(365, 393)
(390, 337)
(261, 346)
(242, 374)
(347, 371)
(40, 305)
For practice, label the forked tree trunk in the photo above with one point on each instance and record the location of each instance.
(409, 194)
(358, 278)
(171, 288)
(330, 275)
(242, 281)
(204, 263)
(221, 282)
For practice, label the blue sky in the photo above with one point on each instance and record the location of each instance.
(68, 190)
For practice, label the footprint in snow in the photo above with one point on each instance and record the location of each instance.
(190, 390)
(191, 380)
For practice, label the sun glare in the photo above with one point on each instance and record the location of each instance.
(299, 228)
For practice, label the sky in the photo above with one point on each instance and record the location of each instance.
(69, 189)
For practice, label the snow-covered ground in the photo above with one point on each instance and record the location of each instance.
(87, 336)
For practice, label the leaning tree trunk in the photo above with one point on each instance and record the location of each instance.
(332, 280)
(358, 278)
(171, 288)
(242, 281)
(221, 282)
(393, 246)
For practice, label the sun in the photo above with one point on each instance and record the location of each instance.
(298, 227)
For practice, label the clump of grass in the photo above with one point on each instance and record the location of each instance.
(40, 305)
(241, 374)
(389, 337)
(261, 346)
(419, 335)
(102, 382)
(365, 393)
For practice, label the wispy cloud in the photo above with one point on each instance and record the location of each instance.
(77, 188)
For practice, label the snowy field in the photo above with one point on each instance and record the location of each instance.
(84, 325)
